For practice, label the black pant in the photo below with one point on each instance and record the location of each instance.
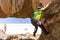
(36, 24)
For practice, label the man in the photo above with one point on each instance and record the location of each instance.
(36, 17)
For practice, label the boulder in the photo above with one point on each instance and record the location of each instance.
(51, 20)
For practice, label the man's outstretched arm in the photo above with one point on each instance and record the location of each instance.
(43, 8)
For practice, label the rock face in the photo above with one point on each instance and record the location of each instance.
(10, 7)
(51, 20)
(25, 8)
(18, 8)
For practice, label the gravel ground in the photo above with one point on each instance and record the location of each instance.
(26, 36)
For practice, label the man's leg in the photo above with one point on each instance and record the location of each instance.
(42, 27)
(36, 28)
(34, 23)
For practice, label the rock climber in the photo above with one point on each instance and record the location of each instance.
(35, 20)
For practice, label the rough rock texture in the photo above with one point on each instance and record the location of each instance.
(10, 7)
(18, 8)
(25, 8)
(26, 11)
(44, 2)
(2, 14)
(51, 20)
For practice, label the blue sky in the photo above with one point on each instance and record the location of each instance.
(15, 20)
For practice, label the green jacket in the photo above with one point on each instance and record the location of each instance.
(37, 14)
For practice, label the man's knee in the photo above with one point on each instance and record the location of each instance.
(38, 23)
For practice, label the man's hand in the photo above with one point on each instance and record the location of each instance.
(46, 6)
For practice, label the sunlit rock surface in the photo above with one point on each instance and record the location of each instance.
(51, 17)
(17, 8)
